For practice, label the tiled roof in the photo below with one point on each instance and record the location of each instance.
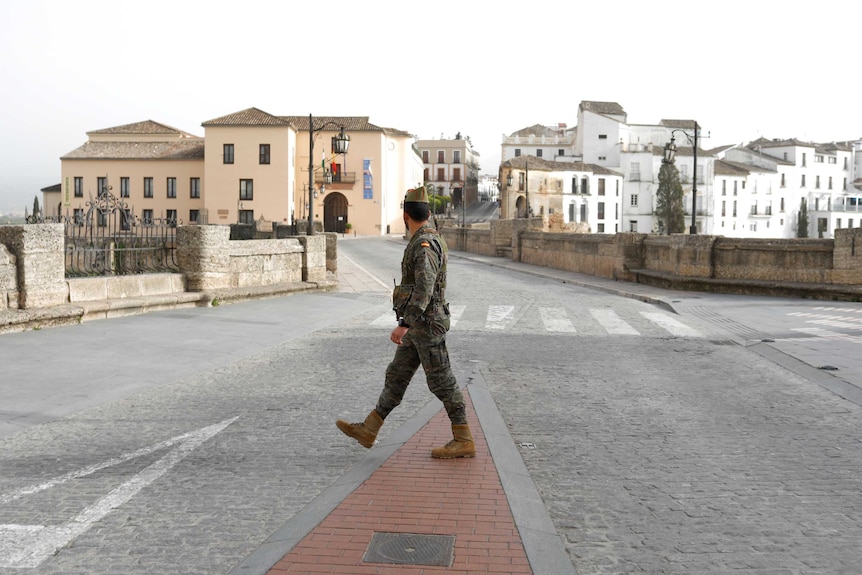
(606, 108)
(334, 123)
(678, 124)
(535, 130)
(725, 168)
(146, 127)
(175, 150)
(534, 163)
(247, 117)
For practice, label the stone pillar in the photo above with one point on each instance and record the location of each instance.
(41, 267)
(8, 279)
(629, 255)
(847, 256)
(313, 257)
(203, 254)
(331, 252)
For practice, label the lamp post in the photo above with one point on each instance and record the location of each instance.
(670, 152)
(339, 146)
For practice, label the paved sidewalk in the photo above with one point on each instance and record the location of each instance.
(400, 511)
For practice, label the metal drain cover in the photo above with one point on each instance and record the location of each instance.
(411, 549)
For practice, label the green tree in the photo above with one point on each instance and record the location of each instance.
(669, 209)
(802, 220)
(36, 209)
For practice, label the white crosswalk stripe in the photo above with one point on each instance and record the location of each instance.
(614, 325)
(499, 316)
(555, 320)
(672, 325)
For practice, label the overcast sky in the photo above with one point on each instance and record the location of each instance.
(742, 69)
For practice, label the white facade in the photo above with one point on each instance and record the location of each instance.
(754, 191)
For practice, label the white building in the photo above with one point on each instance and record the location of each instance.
(752, 190)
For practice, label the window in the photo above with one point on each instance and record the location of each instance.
(228, 153)
(830, 183)
(539, 153)
(734, 188)
(600, 228)
(804, 161)
(246, 190)
(603, 136)
(818, 159)
(782, 205)
(456, 174)
(147, 217)
(78, 215)
(634, 201)
(601, 186)
(571, 213)
(456, 156)
(246, 216)
(734, 208)
(194, 187)
(635, 172)
(425, 157)
(172, 187)
(817, 182)
(264, 153)
(517, 152)
(574, 185)
(723, 208)
(171, 216)
(124, 187)
(633, 225)
(561, 152)
(148, 187)
(783, 181)
(585, 185)
(803, 181)
(79, 187)
(723, 187)
(601, 211)
(194, 216)
(441, 157)
(426, 175)
(102, 185)
(441, 174)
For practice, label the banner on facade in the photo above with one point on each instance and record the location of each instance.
(367, 187)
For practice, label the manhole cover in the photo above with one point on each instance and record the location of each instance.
(410, 549)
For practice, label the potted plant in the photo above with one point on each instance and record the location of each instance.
(348, 227)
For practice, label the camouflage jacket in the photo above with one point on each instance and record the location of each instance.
(421, 295)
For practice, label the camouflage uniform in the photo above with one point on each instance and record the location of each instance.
(420, 303)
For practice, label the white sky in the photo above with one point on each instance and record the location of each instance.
(741, 68)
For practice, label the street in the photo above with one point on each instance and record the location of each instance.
(660, 442)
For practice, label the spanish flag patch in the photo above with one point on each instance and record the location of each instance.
(425, 245)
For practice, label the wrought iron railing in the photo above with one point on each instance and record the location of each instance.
(109, 239)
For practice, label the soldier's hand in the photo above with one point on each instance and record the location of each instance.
(398, 334)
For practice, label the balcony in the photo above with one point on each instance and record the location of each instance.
(342, 178)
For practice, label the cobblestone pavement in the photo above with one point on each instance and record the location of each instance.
(653, 453)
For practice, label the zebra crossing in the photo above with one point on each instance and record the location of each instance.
(557, 320)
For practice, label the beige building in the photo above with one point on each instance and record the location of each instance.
(251, 166)
(452, 166)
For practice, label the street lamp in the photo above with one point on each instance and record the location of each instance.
(339, 146)
(670, 152)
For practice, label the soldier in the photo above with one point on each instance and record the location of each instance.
(423, 320)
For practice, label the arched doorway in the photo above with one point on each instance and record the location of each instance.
(334, 212)
(521, 207)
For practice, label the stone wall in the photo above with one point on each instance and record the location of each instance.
(32, 270)
(628, 256)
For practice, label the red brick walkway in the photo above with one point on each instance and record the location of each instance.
(412, 493)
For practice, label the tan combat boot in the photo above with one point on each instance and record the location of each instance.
(461, 446)
(365, 433)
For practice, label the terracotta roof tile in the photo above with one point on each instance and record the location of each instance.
(175, 150)
(247, 117)
(534, 163)
(148, 127)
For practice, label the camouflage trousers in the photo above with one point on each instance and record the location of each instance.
(424, 346)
